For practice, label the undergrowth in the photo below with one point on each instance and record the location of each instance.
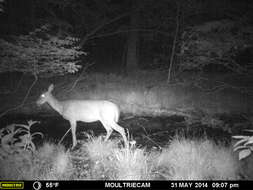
(95, 159)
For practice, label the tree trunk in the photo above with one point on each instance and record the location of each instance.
(133, 39)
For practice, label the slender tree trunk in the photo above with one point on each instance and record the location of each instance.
(133, 39)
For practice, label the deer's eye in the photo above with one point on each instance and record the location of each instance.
(42, 95)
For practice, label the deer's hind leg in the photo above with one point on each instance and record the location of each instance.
(121, 131)
(108, 130)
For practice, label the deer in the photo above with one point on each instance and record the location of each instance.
(86, 111)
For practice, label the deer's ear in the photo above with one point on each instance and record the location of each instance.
(51, 87)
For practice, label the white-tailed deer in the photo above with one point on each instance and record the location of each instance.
(87, 111)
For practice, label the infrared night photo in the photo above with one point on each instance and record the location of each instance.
(103, 92)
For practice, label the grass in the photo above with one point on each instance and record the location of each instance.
(117, 163)
(19, 158)
(197, 160)
(48, 162)
(182, 159)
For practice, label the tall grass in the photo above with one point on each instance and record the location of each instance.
(182, 159)
(111, 161)
(49, 162)
(96, 159)
(197, 160)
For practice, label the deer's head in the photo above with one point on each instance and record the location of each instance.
(44, 97)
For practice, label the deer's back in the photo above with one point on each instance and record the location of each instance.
(90, 110)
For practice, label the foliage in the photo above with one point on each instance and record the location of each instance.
(16, 149)
(132, 163)
(52, 161)
(215, 42)
(116, 163)
(19, 158)
(16, 138)
(97, 159)
(202, 159)
(40, 52)
(244, 145)
(48, 162)
(182, 159)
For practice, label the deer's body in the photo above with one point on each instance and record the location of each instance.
(80, 110)
(87, 111)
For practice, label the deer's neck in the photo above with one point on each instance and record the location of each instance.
(55, 104)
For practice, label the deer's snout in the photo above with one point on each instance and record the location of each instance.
(41, 100)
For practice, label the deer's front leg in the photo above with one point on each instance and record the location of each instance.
(73, 130)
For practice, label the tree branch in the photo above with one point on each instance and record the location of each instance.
(174, 44)
(24, 99)
(35, 71)
(87, 36)
(80, 77)
(130, 30)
